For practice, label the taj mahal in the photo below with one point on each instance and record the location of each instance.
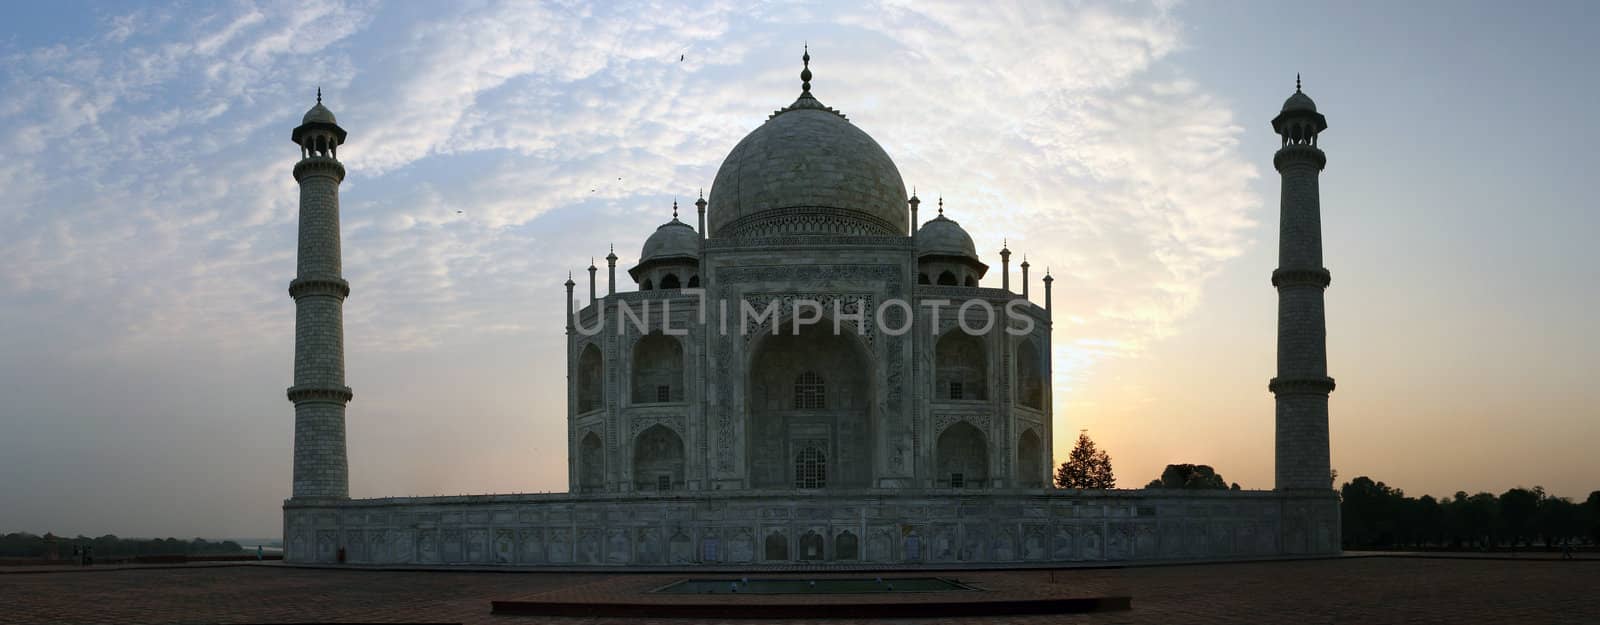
(806, 370)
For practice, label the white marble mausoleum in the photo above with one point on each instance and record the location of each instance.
(809, 373)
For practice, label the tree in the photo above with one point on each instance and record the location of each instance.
(1086, 467)
(1190, 476)
(1518, 508)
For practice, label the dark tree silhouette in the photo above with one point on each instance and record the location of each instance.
(1086, 467)
(1377, 515)
(1518, 508)
(1190, 476)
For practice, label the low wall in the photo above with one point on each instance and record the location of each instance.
(888, 527)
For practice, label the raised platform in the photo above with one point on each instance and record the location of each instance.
(973, 594)
(876, 528)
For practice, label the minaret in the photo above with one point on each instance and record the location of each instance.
(1005, 267)
(1047, 281)
(611, 265)
(700, 204)
(569, 284)
(1024, 276)
(914, 202)
(318, 289)
(592, 269)
(1302, 385)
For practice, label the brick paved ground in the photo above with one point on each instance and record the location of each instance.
(1348, 590)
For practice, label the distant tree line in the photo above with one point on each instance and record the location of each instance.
(25, 545)
(1378, 515)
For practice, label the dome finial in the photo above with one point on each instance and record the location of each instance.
(805, 73)
(674, 207)
(941, 206)
(319, 94)
(1297, 82)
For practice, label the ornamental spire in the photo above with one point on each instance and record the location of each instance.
(805, 73)
(319, 93)
(1297, 82)
(674, 208)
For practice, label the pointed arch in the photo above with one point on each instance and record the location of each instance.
(922, 278)
(647, 285)
(777, 546)
(961, 367)
(1030, 375)
(846, 546)
(658, 460)
(1030, 460)
(591, 464)
(811, 546)
(657, 370)
(670, 281)
(591, 379)
(813, 388)
(947, 278)
(972, 281)
(694, 281)
(961, 457)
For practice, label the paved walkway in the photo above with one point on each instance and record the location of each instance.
(1344, 590)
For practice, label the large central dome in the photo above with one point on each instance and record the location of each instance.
(807, 170)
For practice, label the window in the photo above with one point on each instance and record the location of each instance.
(958, 480)
(810, 469)
(663, 482)
(809, 392)
(663, 393)
(955, 390)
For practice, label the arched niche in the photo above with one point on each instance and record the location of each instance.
(777, 546)
(591, 464)
(1030, 376)
(658, 460)
(961, 367)
(670, 281)
(657, 373)
(846, 546)
(961, 457)
(1030, 460)
(948, 278)
(809, 390)
(591, 380)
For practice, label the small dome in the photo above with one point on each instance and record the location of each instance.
(673, 239)
(942, 236)
(1299, 102)
(318, 114)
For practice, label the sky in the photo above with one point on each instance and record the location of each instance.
(148, 215)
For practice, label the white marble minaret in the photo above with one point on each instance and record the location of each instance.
(319, 393)
(1302, 385)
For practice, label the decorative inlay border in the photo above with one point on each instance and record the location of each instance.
(640, 423)
(801, 220)
(942, 421)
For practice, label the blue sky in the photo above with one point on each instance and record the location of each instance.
(149, 215)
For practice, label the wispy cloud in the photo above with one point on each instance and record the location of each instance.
(150, 210)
